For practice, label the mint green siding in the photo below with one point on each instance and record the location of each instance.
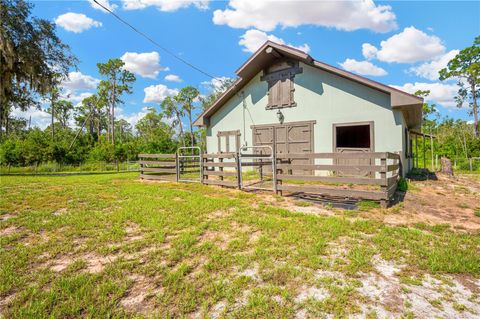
(320, 96)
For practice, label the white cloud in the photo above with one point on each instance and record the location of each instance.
(173, 78)
(76, 99)
(342, 15)
(131, 118)
(440, 93)
(253, 39)
(409, 46)
(164, 5)
(105, 3)
(362, 67)
(157, 93)
(430, 70)
(145, 64)
(76, 22)
(369, 51)
(39, 118)
(79, 81)
(216, 83)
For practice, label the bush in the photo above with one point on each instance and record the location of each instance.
(402, 185)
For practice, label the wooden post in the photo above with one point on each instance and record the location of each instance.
(141, 167)
(431, 150)
(220, 169)
(416, 151)
(177, 168)
(424, 153)
(239, 173)
(279, 181)
(384, 187)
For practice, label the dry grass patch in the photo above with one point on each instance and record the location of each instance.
(140, 296)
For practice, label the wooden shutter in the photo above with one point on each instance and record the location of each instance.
(280, 93)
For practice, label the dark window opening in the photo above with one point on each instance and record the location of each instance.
(355, 136)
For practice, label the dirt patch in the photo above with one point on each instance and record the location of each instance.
(61, 263)
(11, 230)
(448, 200)
(252, 273)
(60, 211)
(133, 232)
(94, 263)
(97, 263)
(139, 298)
(218, 309)
(388, 297)
(219, 238)
(4, 302)
(5, 217)
(314, 293)
(220, 214)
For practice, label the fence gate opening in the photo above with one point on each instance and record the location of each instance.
(257, 168)
(189, 164)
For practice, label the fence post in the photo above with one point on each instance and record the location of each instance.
(177, 167)
(239, 173)
(274, 171)
(220, 169)
(384, 187)
(201, 167)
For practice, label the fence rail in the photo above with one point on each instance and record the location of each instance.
(157, 166)
(326, 174)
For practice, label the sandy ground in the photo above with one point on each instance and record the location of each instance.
(446, 200)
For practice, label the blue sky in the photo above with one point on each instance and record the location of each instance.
(400, 43)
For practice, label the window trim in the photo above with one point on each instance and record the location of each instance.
(226, 135)
(372, 134)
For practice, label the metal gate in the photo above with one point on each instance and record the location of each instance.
(260, 160)
(189, 157)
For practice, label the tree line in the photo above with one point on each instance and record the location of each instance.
(34, 62)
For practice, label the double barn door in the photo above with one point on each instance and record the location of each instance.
(296, 137)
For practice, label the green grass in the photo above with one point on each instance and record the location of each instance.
(477, 212)
(52, 167)
(191, 243)
(366, 205)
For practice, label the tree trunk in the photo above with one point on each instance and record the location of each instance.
(191, 128)
(475, 111)
(52, 103)
(446, 166)
(2, 110)
(181, 129)
(113, 111)
(98, 130)
(7, 124)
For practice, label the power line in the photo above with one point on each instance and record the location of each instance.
(155, 43)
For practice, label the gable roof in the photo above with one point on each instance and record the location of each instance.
(410, 105)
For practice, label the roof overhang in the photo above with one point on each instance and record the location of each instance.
(270, 52)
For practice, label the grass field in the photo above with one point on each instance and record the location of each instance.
(113, 246)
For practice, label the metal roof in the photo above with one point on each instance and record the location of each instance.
(410, 105)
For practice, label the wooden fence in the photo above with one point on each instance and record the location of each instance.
(221, 169)
(381, 171)
(371, 176)
(158, 166)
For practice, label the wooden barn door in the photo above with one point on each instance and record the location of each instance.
(287, 138)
